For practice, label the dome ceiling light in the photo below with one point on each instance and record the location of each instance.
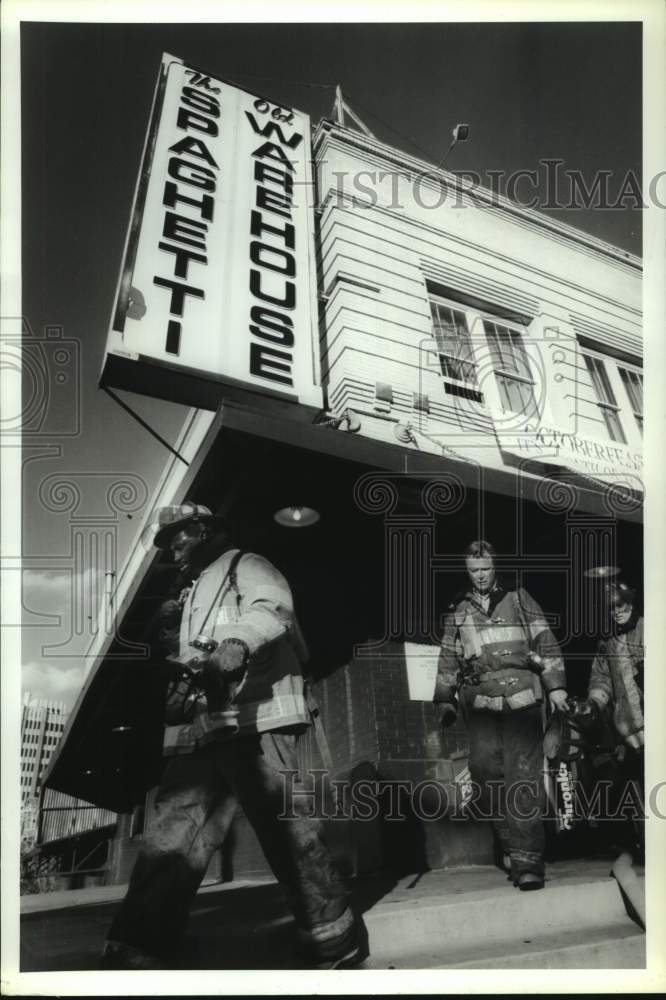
(296, 517)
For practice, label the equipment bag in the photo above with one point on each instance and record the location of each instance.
(563, 746)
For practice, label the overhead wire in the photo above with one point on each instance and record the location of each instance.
(401, 135)
(291, 83)
(357, 103)
(331, 86)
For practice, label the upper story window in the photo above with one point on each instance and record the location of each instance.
(512, 368)
(606, 399)
(633, 384)
(454, 344)
(483, 357)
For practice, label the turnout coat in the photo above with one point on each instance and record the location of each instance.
(485, 653)
(616, 679)
(246, 598)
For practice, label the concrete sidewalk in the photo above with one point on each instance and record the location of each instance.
(67, 898)
(458, 918)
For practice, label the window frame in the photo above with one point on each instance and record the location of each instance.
(631, 370)
(516, 331)
(459, 307)
(489, 395)
(609, 367)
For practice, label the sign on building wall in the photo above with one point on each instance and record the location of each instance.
(421, 662)
(218, 278)
(605, 461)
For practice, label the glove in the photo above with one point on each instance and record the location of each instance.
(558, 700)
(170, 613)
(223, 670)
(447, 714)
(228, 661)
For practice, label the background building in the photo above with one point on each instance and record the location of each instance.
(54, 824)
(42, 725)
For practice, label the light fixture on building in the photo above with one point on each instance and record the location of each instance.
(460, 133)
(601, 572)
(121, 729)
(404, 434)
(296, 517)
(350, 422)
(346, 421)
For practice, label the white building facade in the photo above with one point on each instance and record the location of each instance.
(504, 336)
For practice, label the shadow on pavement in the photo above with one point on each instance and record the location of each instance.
(245, 928)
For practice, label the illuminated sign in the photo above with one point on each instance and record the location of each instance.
(218, 280)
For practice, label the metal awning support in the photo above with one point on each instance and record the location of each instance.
(143, 423)
(340, 106)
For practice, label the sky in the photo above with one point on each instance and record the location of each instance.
(529, 92)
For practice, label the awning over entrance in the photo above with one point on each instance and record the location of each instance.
(295, 426)
(261, 460)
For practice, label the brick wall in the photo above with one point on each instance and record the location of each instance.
(376, 732)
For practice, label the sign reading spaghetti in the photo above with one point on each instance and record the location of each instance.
(218, 279)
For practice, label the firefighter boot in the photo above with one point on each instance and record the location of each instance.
(118, 955)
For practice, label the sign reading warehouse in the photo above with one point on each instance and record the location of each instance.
(218, 278)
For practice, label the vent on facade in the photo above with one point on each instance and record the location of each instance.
(421, 402)
(461, 390)
(383, 397)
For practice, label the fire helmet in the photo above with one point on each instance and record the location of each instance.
(171, 520)
(616, 591)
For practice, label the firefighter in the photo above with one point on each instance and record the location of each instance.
(240, 643)
(497, 657)
(616, 678)
(615, 699)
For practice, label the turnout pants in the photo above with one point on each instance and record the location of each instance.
(194, 809)
(506, 763)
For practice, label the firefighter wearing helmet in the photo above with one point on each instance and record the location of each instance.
(499, 660)
(616, 678)
(235, 709)
(611, 718)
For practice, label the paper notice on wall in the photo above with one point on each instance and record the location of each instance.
(463, 780)
(421, 661)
